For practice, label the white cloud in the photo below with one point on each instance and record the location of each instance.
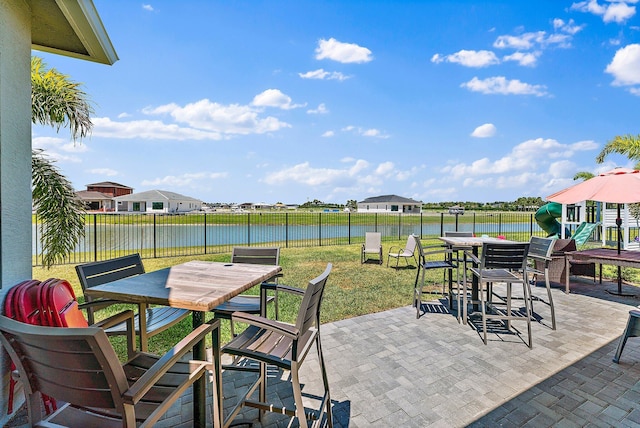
(59, 149)
(123, 115)
(328, 134)
(342, 52)
(147, 7)
(321, 74)
(274, 98)
(149, 130)
(206, 120)
(469, 58)
(524, 157)
(500, 85)
(625, 66)
(528, 41)
(356, 176)
(322, 109)
(528, 59)
(184, 180)
(615, 11)
(484, 131)
(365, 132)
(103, 171)
(568, 27)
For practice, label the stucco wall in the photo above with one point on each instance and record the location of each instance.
(15, 155)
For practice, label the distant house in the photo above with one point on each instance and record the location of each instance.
(390, 204)
(99, 196)
(157, 201)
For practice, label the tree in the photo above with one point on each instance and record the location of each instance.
(627, 145)
(583, 175)
(59, 102)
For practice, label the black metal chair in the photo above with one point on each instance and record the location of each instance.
(159, 318)
(502, 263)
(444, 260)
(631, 330)
(456, 287)
(540, 250)
(246, 302)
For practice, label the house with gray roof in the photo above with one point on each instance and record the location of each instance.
(390, 204)
(157, 201)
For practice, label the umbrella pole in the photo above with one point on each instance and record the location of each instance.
(619, 292)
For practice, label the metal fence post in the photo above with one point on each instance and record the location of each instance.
(286, 230)
(205, 233)
(349, 226)
(248, 229)
(155, 254)
(95, 239)
(319, 229)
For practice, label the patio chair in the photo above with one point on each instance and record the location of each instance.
(372, 245)
(631, 330)
(456, 287)
(540, 250)
(409, 251)
(159, 318)
(502, 263)
(285, 346)
(558, 268)
(246, 302)
(443, 261)
(79, 367)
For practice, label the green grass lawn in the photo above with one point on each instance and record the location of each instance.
(353, 288)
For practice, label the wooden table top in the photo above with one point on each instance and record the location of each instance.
(195, 285)
(608, 256)
(473, 241)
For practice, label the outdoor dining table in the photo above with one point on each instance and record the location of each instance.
(475, 242)
(198, 286)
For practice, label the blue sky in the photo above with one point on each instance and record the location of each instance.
(289, 101)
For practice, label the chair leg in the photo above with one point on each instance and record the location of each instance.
(528, 308)
(325, 381)
(297, 395)
(553, 312)
(631, 330)
(484, 314)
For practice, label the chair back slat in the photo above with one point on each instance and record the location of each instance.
(505, 256)
(97, 273)
(540, 248)
(256, 255)
(457, 234)
(76, 365)
(309, 313)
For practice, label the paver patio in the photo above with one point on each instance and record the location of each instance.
(390, 369)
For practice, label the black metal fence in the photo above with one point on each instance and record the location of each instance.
(167, 235)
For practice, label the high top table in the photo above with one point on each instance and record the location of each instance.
(475, 242)
(197, 286)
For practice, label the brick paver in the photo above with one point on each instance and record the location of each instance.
(390, 369)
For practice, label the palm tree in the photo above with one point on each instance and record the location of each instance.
(59, 102)
(627, 145)
(583, 175)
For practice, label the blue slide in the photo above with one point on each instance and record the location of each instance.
(546, 218)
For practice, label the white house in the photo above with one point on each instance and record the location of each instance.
(390, 204)
(157, 201)
(66, 27)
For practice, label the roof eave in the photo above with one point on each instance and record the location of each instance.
(83, 18)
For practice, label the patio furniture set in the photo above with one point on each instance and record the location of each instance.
(60, 362)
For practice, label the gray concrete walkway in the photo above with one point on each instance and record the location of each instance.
(392, 370)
